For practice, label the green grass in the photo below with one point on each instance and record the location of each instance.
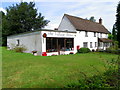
(21, 70)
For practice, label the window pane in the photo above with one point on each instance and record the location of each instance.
(90, 44)
(85, 44)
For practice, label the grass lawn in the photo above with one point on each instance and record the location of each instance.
(21, 70)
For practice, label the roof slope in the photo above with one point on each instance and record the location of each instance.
(105, 40)
(86, 25)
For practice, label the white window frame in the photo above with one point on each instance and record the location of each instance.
(85, 44)
(86, 34)
(95, 44)
(91, 45)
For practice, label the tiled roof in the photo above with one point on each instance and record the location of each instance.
(86, 25)
(105, 40)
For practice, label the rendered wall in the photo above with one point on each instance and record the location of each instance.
(66, 25)
(31, 41)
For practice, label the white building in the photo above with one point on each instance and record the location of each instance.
(72, 34)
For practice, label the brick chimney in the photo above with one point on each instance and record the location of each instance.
(100, 21)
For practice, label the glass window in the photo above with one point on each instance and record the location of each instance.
(85, 44)
(97, 34)
(95, 44)
(100, 44)
(90, 44)
(59, 44)
(94, 34)
(18, 42)
(101, 35)
(86, 34)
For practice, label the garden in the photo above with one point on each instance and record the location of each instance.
(83, 70)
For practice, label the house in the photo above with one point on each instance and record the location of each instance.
(89, 34)
(72, 34)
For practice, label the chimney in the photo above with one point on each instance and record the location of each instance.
(55, 28)
(100, 21)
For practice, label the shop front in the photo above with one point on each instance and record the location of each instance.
(58, 43)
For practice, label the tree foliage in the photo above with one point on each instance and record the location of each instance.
(92, 19)
(118, 23)
(5, 29)
(21, 18)
(114, 33)
(110, 36)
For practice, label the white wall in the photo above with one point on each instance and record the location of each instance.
(66, 25)
(32, 41)
(80, 35)
(80, 38)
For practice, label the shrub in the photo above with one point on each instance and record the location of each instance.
(112, 50)
(19, 49)
(108, 79)
(83, 50)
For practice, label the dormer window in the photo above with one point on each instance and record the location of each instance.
(86, 34)
(94, 34)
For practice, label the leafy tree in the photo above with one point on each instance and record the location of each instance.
(92, 19)
(114, 33)
(21, 18)
(118, 23)
(86, 19)
(110, 36)
(4, 29)
(0, 28)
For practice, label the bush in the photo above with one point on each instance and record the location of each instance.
(111, 50)
(83, 50)
(19, 49)
(109, 79)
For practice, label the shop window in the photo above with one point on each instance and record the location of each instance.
(59, 44)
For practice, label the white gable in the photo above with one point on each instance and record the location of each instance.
(66, 25)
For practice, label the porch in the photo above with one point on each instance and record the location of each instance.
(104, 43)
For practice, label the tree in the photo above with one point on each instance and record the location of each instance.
(23, 17)
(118, 23)
(110, 36)
(114, 33)
(5, 30)
(92, 19)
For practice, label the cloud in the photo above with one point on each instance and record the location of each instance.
(105, 10)
(61, 0)
(54, 11)
(51, 26)
(1, 9)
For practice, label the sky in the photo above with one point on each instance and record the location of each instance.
(54, 10)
